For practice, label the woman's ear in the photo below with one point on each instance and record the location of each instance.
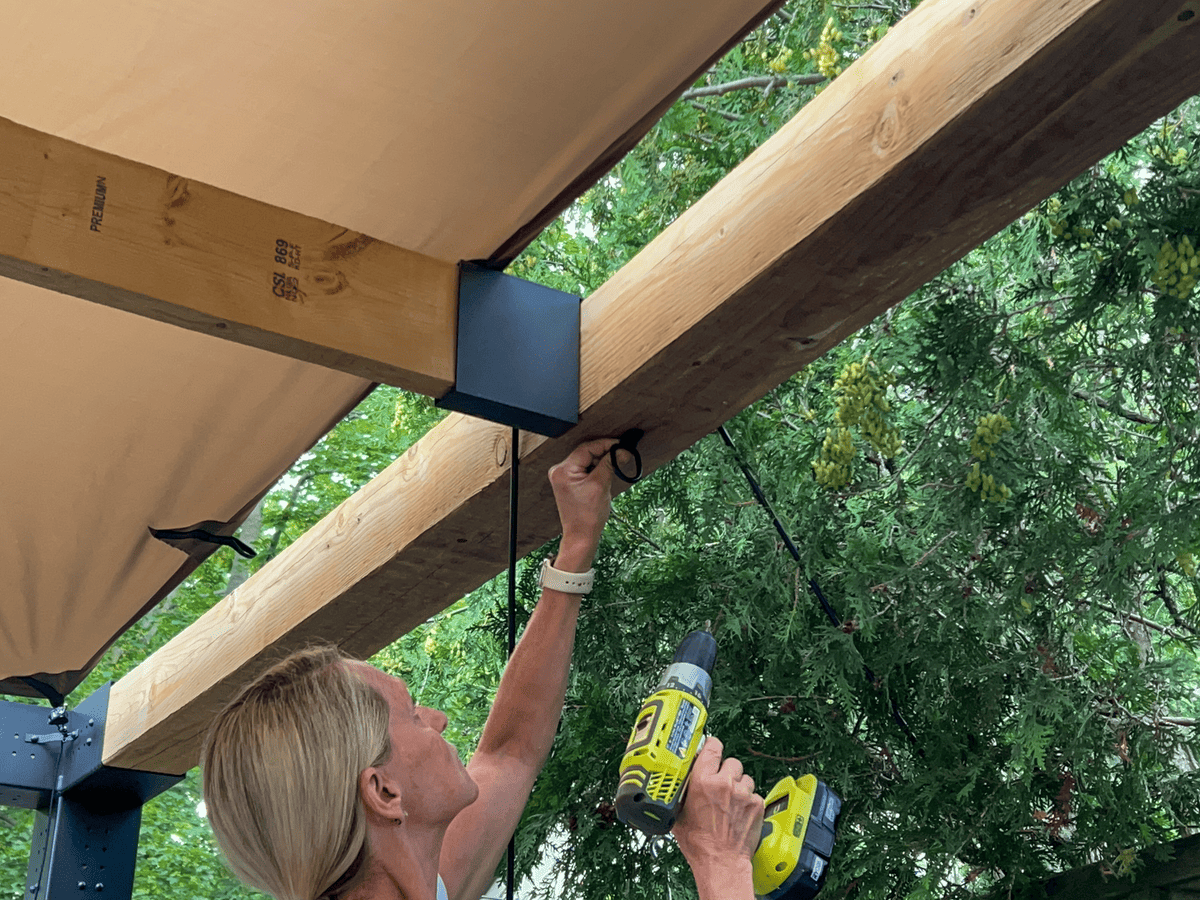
(380, 794)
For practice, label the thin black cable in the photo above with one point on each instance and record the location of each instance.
(513, 493)
(812, 583)
(513, 485)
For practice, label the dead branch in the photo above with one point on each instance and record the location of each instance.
(1133, 617)
(1113, 408)
(789, 759)
(637, 531)
(764, 82)
(1165, 596)
(933, 548)
(728, 116)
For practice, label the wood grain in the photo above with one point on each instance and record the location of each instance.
(964, 117)
(137, 238)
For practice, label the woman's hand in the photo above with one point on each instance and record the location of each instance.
(582, 485)
(720, 825)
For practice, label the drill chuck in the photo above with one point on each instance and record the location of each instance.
(691, 667)
(699, 648)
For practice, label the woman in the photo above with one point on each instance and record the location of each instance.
(323, 778)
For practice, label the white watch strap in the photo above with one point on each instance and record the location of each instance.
(567, 582)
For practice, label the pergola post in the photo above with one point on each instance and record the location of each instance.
(88, 814)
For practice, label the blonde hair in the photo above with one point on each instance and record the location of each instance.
(281, 765)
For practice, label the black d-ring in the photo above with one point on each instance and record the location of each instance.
(628, 442)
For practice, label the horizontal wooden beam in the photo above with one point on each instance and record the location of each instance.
(1175, 875)
(134, 237)
(964, 117)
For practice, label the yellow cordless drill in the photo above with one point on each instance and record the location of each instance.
(800, 816)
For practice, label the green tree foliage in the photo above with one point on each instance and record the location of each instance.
(1010, 548)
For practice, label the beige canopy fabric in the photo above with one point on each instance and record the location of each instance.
(454, 128)
(119, 424)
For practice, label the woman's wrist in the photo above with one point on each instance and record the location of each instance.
(574, 555)
(727, 878)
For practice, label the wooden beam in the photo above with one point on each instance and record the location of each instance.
(1175, 877)
(134, 237)
(964, 117)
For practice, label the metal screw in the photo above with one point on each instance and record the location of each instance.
(99, 885)
(83, 885)
(89, 742)
(33, 888)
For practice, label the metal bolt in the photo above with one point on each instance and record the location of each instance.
(83, 885)
(99, 885)
(89, 742)
(33, 888)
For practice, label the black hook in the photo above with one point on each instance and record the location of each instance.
(628, 442)
(199, 534)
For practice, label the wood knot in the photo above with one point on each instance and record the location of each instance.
(177, 191)
(329, 283)
(970, 14)
(500, 446)
(347, 244)
(888, 130)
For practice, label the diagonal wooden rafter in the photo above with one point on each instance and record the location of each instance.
(128, 235)
(965, 116)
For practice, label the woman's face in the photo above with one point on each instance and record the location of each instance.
(435, 785)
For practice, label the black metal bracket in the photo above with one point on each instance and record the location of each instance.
(88, 814)
(518, 352)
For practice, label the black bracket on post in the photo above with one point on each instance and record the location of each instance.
(518, 353)
(88, 814)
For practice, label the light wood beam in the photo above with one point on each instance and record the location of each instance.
(134, 237)
(964, 117)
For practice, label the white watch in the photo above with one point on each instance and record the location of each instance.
(566, 582)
